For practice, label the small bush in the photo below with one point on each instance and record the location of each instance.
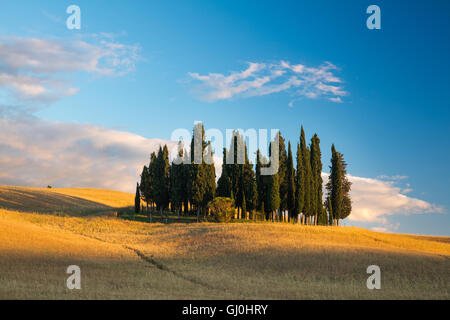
(221, 209)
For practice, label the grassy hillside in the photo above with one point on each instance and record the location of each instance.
(76, 201)
(129, 259)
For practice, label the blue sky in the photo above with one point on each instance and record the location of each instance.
(391, 123)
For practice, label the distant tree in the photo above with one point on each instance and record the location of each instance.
(263, 210)
(273, 195)
(244, 207)
(224, 183)
(260, 181)
(238, 176)
(330, 211)
(273, 192)
(307, 183)
(251, 195)
(152, 168)
(236, 154)
(290, 177)
(338, 187)
(316, 167)
(299, 183)
(200, 173)
(137, 200)
(177, 183)
(161, 180)
(282, 175)
(210, 176)
(145, 186)
(186, 180)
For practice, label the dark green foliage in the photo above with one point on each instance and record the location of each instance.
(317, 193)
(244, 207)
(263, 210)
(290, 178)
(330, 211)
(339, 187)
(308, 209)
(299, 183)
(283, 174)
(273, 195)
(221, 209)
(161, 179)
(273, 192)
(238, 175)
(202, 184)
(261, 185)
(190, 179)
(177, 181)
(249, 186)
(137, 200)
(224, 183)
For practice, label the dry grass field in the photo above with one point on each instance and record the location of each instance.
(42, 231)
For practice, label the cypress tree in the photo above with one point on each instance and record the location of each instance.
(282, 175)
(145, 185)
(316, 167)
(244, 208)
(299, 183)
(151, 177)
(260, 186)
(224, 183)
(249, 179)
(307, 207)
(177, 181)
(330, 211)
(137, 200)
(210, 177)
(263, 210)
(273, 195)
(186, 181)
(161, 180)
(338, 187)
(240, 190)
(273, 192)
(200, 175)
(291, 183)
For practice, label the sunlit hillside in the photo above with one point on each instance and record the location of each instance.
(60, 200)
(44, 231)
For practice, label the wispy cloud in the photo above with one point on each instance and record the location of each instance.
(392, 178)
(38, 70)
(260, 79)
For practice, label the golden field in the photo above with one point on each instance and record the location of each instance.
(43, 231)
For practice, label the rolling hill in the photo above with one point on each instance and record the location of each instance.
(43, 231)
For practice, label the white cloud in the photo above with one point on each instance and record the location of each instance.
(35, 152)
(374, 200)
(36, 70)
(261, 79)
